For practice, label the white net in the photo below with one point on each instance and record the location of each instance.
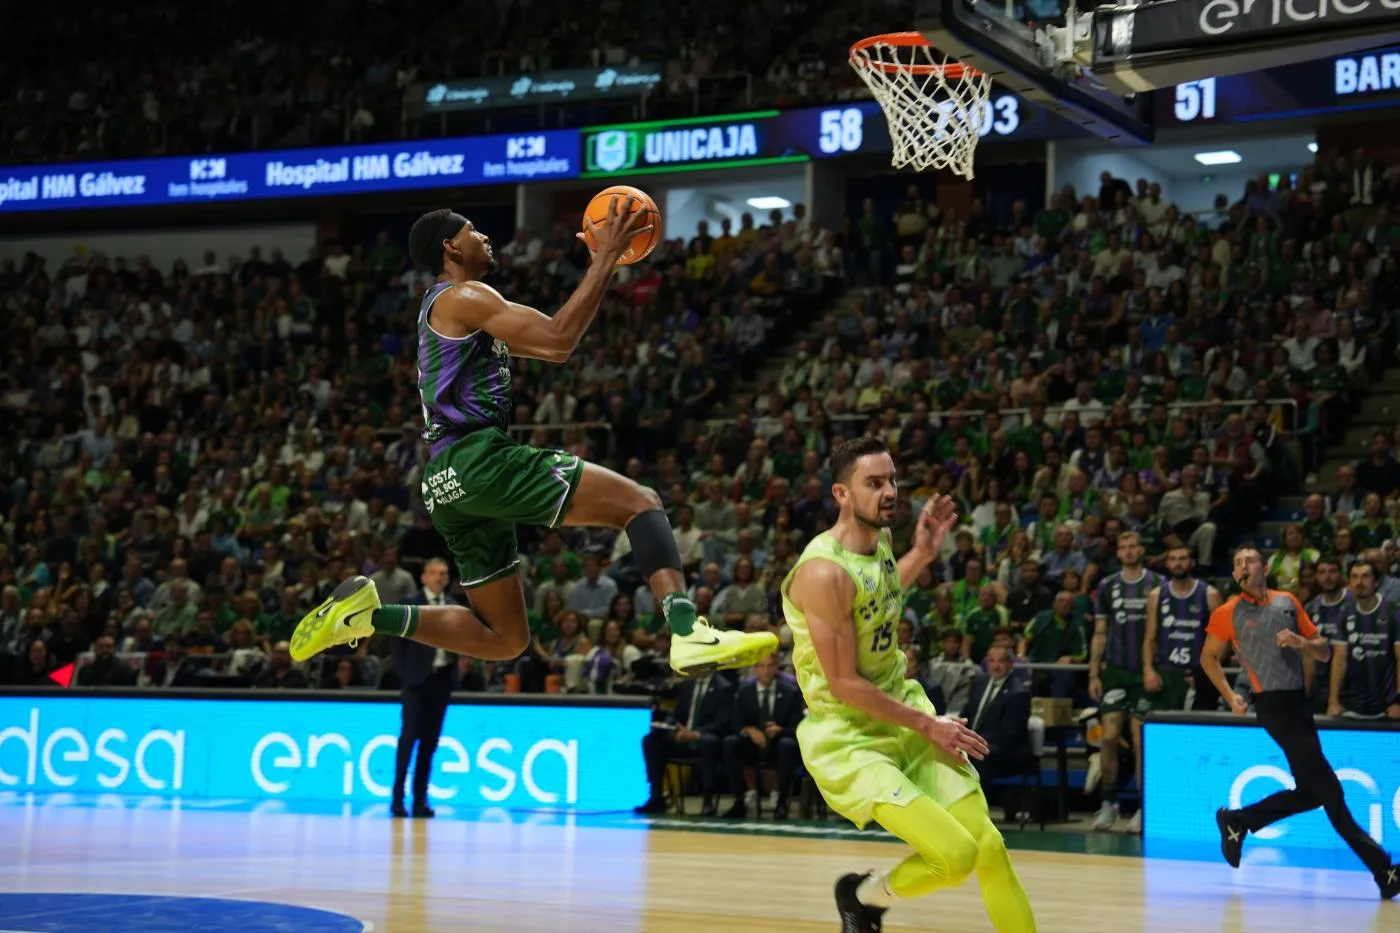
(936, 108)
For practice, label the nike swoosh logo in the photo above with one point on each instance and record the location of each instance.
(349, 620)
(707, 644)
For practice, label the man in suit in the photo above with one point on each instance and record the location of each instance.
(764, 731)
(176, 669)
(698, 724)
(106, 669)
(999, 710)
(428, 676)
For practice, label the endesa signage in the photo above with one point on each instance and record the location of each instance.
(553, 757)
(1193, 769)
(341, 170)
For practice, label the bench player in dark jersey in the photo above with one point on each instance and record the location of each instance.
(1327, 610)
(479, 483)
(1269, 630)
(1177, 613)
(1365, 652)
(1115, 662)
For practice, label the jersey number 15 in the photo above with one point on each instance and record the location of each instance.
(883, 637)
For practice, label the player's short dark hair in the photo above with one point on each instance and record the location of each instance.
(1242, 549)
(1328, 559)
(424, 248)
(845, 454)
(1363, 563)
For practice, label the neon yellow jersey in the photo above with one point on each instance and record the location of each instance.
(878, 603)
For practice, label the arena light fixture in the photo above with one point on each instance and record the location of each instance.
(769, 203)
(1219, 157)
(1312, 147)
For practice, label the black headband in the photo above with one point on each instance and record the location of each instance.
(451, 225)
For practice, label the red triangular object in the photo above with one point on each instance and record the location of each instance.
(63, 676)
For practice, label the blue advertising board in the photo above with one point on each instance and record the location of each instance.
(725, 142)
(1191, 770)
(541, 757)
(338, 170)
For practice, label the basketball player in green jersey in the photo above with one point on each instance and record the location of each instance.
(872, 741)
(479, 483)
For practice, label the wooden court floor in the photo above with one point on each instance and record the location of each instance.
(513, 872)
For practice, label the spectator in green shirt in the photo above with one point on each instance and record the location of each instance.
(554, 548)
(918, 599)
(177, 616)
(278, 491)
(1055, 636)
(964, 592)
(1318, 530)
(982, 623)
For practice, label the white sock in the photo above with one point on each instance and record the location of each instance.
(875, 891)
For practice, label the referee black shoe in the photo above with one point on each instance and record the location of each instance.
(855, 916)
(1389, 881)
(1231, 837)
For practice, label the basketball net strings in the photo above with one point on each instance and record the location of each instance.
(935, 121)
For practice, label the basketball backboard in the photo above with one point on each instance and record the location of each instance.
(1009, 41)
(1098, 66)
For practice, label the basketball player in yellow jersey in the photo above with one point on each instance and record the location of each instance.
(872, 741)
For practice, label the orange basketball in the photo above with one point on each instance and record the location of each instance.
(643, 243)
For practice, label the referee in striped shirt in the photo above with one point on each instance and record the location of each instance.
(1270, 630)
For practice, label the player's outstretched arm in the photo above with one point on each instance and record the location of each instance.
(824, 592)
(475, 306)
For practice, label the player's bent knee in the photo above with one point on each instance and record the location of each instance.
(647, 499)
(990, 845)
(513, 643)
(959, 857)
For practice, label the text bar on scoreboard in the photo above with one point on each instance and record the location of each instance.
(772, 137)
(340, 170)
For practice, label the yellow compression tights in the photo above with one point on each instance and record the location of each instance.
(950, 844)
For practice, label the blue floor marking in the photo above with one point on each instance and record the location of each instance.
(149, 913)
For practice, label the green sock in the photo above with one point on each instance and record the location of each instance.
(396, 620)
(679, 612)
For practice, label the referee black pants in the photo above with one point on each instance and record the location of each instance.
(1288, 718)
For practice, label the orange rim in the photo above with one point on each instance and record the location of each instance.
(859, 55)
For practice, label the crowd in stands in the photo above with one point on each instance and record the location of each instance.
(194, 458)
(234, 76)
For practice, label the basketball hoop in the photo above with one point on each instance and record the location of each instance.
(935, 106)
